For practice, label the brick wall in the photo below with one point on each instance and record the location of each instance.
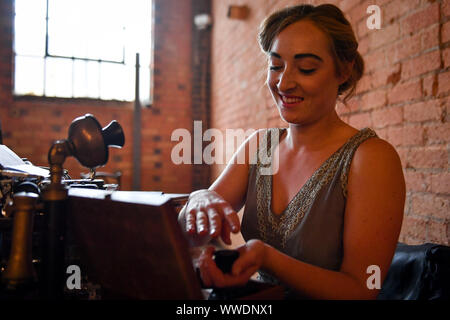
(201, 89)
(30, 125)
(172, 99)
(403, 95)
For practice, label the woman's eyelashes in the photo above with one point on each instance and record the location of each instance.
(304, 71)
(307, 71)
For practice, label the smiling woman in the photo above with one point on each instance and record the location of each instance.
(333, 209)
(302, 76)
(341, 41)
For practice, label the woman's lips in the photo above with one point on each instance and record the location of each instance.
(290, 101)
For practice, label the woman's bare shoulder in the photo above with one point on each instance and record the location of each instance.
(376, 160)
(376, 149)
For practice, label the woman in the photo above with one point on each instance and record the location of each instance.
(335, 205)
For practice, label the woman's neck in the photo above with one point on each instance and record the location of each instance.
(315, 135)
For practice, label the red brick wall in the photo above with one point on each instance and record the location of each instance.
(31, 125)
(403, 95)
(171, 98)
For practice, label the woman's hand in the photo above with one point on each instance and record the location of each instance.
(207, 215)
(251, 258)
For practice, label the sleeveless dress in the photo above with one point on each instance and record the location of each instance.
(310, 228)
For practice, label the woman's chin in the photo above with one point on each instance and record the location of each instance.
(289, 117)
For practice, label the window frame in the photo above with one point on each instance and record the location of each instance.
(47, 54)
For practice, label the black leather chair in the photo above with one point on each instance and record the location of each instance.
(418, 272)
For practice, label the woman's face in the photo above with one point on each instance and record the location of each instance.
(301, 74)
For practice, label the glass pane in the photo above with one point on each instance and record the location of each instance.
(86, 29)
(128, 81)
(93, 79)
(61, 39)
(138, 40)
(29, 28)
(58, 77)
(31, 8)
(80, 79)
(138, 19)
(62, 27)
(29, 76)
(111, 84)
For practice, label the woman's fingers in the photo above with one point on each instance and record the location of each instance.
(212, 276)
(220, 279)
(215, 222)
(212, 222)
(241, 265)
(207, 214)
(190, 221)
(217, 276)
(245, 275)
(251, 255)
(244, 261)
(205, 261)
(202, 223)
(232, 219)
(206, 279)
(226, 234)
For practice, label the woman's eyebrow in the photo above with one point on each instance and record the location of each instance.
(307, 55)
(298, 56)
(274, 54)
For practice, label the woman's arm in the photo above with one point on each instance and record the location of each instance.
(372, 222)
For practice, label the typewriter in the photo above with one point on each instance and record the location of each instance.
(33, 246)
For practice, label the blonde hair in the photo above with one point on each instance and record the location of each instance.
(329, 19)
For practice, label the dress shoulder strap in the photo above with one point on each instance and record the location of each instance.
(349, 152)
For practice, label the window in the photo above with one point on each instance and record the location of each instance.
(82, 48)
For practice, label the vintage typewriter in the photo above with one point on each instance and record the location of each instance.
(33, 203)
(63, 238)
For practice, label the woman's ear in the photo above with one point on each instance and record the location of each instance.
(347, 69)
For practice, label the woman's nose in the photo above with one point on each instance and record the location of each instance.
(286, 81)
